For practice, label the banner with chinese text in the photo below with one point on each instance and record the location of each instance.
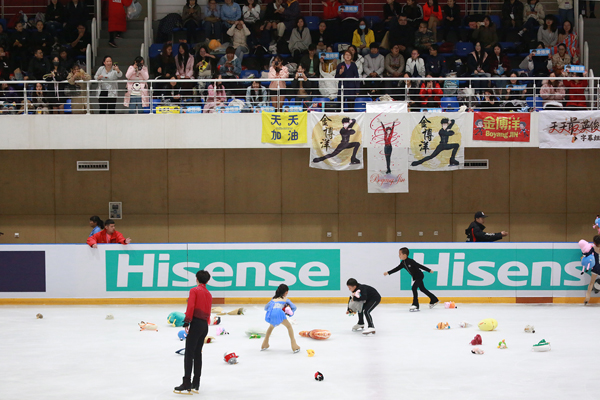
(387, 151)
(284, 128)
(502, 127)
(336, 141)
(436, 140)
(569, 129)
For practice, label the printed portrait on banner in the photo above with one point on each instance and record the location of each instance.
(436, 141)
(569, 129)
(336, 141)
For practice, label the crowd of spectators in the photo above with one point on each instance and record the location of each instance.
(250, 40)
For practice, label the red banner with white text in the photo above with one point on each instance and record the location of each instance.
(502, 127)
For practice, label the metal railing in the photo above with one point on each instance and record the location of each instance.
(318, 94)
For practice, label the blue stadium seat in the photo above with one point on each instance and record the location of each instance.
(496, 20)
(312, 22)
(154, 50)
(539, 103)
(246, 73)
(449, 103)
(462, 49)
(372, 21)
(360, 103)
(155, 103)
(3, 23)
(322, 100)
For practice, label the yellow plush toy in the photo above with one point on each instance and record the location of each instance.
(488, 324)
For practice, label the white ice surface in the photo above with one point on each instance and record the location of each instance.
(74, 353)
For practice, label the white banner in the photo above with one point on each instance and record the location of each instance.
(387, 106)
(336, 141)
(569, 129)
(436, 140)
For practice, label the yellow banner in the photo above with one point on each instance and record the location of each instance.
(284, 128)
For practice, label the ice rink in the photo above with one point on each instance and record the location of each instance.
(74, 353)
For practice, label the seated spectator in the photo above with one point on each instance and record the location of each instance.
(512, 14)
(430, 94)
(373, 68)
(423, 38)
(533, 16)
(322, 37)
(251, 14)
(107, 75)
(328, 68)
(171, 94)
(435, 64)
(278, 71)
(553, 92)
(301, 85)
(256, 96)
(238, 33)
(486, 33)
(184, 62)
(65, 60)
(4, 39)
(415, 65)
(42, 38)
(356, 57)
(394, 66)
(567, 37)
(216, 96)
(349, 21)
(548, 33)
(229, 66)
(80, 41)
(498, 61)
(432, 14)
(273, 17)
(512, 100)
(38, 66)
(39, 102)
(230, 13)
(212, 21)
(108, 235)
(192, 18)
(310, 63)
(77, 89)
(137, 96)
(363, 37)
(391, 11)
(410, 92)
(560, 59)
(489, 102)
(537, 65)
(56, 96)
(166, 63)
(401, 34)
(576, 92)
(477, 61)
(206, 64)
(8, 98)
(331, 12)
(290, 11)
(413, 12)
(20, 41)
(452, 18)
(299, 41)
(55, 17)
(96, 224)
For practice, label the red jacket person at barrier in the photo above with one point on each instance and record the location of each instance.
(108, 235)
(475, 231)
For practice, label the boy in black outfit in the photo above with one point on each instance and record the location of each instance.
(414, 269)
(371, 297)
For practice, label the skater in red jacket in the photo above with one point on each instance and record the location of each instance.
(108, 235)
(117, 19)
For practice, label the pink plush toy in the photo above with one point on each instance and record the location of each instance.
(589, 260)
(288, 310)
(357, 294)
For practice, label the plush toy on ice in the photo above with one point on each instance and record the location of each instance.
(176, 319)
(589, 257)
(597, 224)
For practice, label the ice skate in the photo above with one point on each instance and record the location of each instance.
(413, 309)
(434, 304)
(369, 331)
(296, 350)
(184, 388)
(358, 327)
(196, 385)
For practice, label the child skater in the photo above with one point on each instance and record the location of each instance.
(277, 311)
(196, 325)
(595, 269)
(371, 297)
(413, 269)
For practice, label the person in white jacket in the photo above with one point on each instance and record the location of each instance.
(238, 32)
(373, 68)
(299, 41)
(107, 76)
(415, 65)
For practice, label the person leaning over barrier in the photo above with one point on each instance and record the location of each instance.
(475, 231)
(108, 235)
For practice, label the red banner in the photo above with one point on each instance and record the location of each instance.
(501, 127)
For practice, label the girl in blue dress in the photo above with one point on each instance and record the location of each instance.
(277, 311)
(96, 224)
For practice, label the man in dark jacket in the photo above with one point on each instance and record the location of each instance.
(402, 34)
(475, 231)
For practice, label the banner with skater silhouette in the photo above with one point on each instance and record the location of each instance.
(502, 127)
(436, 140)
(387, 152)
(569, 129)
(336, 141)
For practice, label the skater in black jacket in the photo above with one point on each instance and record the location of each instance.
(371, 297)
(475, 231)
(414, 269)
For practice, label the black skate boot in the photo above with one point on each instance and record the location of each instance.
(196, 385)
(184, 388)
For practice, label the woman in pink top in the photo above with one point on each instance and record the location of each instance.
(553, 92)
(277, 71)
(216, 96)
(184, 62)
(137, 96)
